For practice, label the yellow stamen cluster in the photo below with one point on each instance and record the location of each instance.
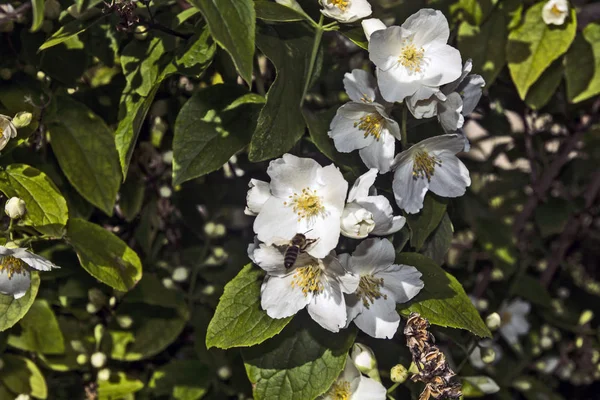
(369, 289)
(341, 4)
(12, 266)
(307, 204)
(505, 317)
(424, 165)
(411, 57)
(371, 124)
(366, 99)
(308, 279)
(340, 391)
(555, 10)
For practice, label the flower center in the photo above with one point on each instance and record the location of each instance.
(424, 165)
(555, 10)
(308, 279)
(12, 266)
(371, 124)
(369, 289)
(411, 57)
(341, 4)
(505, 318)
(307, 204)
(340, 391)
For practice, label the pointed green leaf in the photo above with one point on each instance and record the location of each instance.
(22, 376)
(38, 14)
(39, 331)
(582, 64)
(12, 310)
(424, 223)
(271, 11)
(118, 387)
(73, 28)
(542, 90)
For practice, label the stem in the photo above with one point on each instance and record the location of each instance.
(469, 351)
(313, 57)
(393, 387)
(10, 229)
(403, 133)
(195, 271)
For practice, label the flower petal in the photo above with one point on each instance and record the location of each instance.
(280, 299)
(257, 196)
(270, 259)
(450, 113)
(385, 222)
(384, 47)
(471, 89)
(380, 153)
(344, 130)
(372, 25)
(33, 260)
(429, 26)
(454, 143)
(362, 185)
(372, 255)
(334, 187)
(451, 178)
(444, 65)
(403, 282)
(357, 222)
(395, 84)
(276, 223)
(369, 389)
(380, 320)
(360, 86)
(291, 174)
(409, 191)
(328, 308)
(17, 286)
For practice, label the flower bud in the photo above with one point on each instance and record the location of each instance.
(98, 360)
(82, 359)
(363, 358)
(357, 222)
(104, 374)
(52, 9)
(124, 321)
(546, 342)
(168, 283)
(141, 32)
(224, 372)
(91, 308)
(399, 373)
(208, 290)
(497, 274)
(488, 355)
(585, 317)
(5, 73)
(493, 321)
(15, 208)
(180, 274)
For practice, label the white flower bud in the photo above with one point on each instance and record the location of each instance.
(493, 321)
(546, 342)
(585, 317)
(91, 308)
(180, 274)
(23, 397)
(124, 321)
(488, 355)
(141, 32)
(399, 373)
(98, 359)
(82, 359)
(363, 358)
(224, 372)
(208, 290)
(22, 119)
(357, 222)
(104, 374)
(168, 283)
(15, 208)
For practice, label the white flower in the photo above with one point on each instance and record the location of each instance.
(414, 59)
(345, 11)
(378, 209)
(352, 385)
(364, 124)
(382, 284)
(476, 355)
(371, 25)
(452, 102)
(357, 222)
(15, 265)
(363, 358)
(317, 284)
(7, 130)
(555, 12)
(514, 320)
(430, 165)
(303, 197)
(15, 208)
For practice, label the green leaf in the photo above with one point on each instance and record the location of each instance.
(300, 363)
(551, 217)
(498, 242)
(73, 29)
(542, 90)
(530, 289)
(181, 379)
(39, 331)
(65, 62)
(38, 14)
(443, 300)
(213, 125)
(239, 320)
(197, 54)
(424, 223)
(533, 46)
(12, 310)
(103, 255)
(46, 207)
(280, 123)
(356, 35)
(85, 149)
(118, 386)
(582, 64)
(22, 376)
(131, 198)
(271, 11)
(437, 244)
(232, 24)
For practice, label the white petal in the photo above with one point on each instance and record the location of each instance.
(450, 113)
(279, 299)
(395, 85)
(333, 187)
(470, 90)
(385, 222)
(328, 308)
(335, 270)
(380, 153)
(17, 286)
(326, 230)
(258, 194)
(444, 65)
(520, 324)
(344, 129)
(270, 259)
(519, 307)
(362, 185)
(350, 372)
(454, 143)
(380, 320)
(384, 46)
(369, 389)
(509, 334)
(453, 86)
(291, 174)
(451, 178)
(429, 26)
(277, 223)
(354, 306)
(422, 108)
(372, 254)
(33, 260)
(356, 222)
(425, 92)
(409, 192)
(360, 86)
(372, 25)
(552, 18)
(401, 281)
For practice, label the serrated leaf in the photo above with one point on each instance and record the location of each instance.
(232, 24)
(38, 14)
(271, 11)
(424, 223)
(39, 331)
(73, 29)
(533, 46)
(212, 126)
(12, 310)
(118, 386)
(437, 244)
(239, 320)
(105, 256)
(442, 300)
(300, 363)
(542, 90)
(85, 149)
(46, 207)
(22, 376)
(582, 64)
(280, 123)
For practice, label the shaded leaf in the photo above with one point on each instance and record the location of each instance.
(72, 29)
(582, 64)
(118, 386)
(530, 289)
(424, 223)
(437, 244)
(271, 11)
(11, 310)
(542, 90)
(38, 14)
(22, 376)
(39, 331)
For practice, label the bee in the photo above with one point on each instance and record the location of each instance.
(298, 244)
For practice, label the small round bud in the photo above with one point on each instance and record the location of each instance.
(493, 321)
(522, 385)
(6, 74)
(73, 11)
(112, 301)
(167, 157)
(98, 360)
(220, 230)
(398, 373)
(91, 308)
(497, 274)
(363, 358)
(23, 396)
(579, 342)
(168, 283)
(124, 321)
(482, 304)
(208, 290)
(585, 317)
(15, 208)
(488, 355)
(141, 32)
(219, 252)
(180, 274)
(104, 374)
(224, 373)
(536, 350)
(52, 9)
(82, 359)
(209, 229)
(40, 75)
(546, 342)
(165, 192)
